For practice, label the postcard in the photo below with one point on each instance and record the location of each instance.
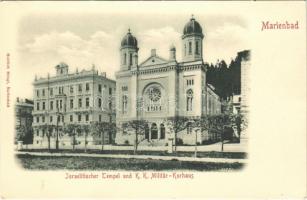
(158, 99)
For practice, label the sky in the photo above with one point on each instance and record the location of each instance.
(81, 40)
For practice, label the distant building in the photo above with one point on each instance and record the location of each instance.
(245, 79)
(239, 102)
(23, 121)
(236, 104)
(159, 88)
(71, 98)
(214, 104)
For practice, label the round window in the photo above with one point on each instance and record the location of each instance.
(154, 94)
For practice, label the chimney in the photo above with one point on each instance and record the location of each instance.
(172, 53)
(104, 74)
(153, 52)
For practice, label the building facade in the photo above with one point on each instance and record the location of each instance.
(159, 88)
(236, 103)
(245, 79)
(240, 101)
(78, 98)
(23, 121)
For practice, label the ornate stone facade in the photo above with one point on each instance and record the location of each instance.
(76, 98)
(159, 88)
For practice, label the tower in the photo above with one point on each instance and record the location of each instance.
(192, 41)
(128, 52)
(172, 53)
(61, 69)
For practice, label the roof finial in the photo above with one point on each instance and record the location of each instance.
(129, 30)
(192, 17)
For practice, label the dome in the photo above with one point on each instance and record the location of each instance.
(62, 65)
(129, 40)
(192, 27)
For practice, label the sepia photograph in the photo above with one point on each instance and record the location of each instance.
(128, 93)
(153, 99)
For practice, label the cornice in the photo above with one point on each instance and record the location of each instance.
(71, 77)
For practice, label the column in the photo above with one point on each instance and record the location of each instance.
(149, 134)
(159, 133)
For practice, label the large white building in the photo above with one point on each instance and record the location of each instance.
(159, 88)
(71, 98)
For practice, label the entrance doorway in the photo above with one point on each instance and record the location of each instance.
(154, 131)
(162, 131)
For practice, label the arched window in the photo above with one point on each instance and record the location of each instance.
(125, 58)
(185, 49)
(154, 131)
(125, 104)
(153, 99)
(130, 59)
(162, 131)
(196, 48)
(190, 100)
(189, 128)
(135, 60)
(146, 132)
(99, 103)
(190, 47)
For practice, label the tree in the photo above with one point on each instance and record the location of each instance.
(85, 129)
(239, 121)
(50, 129)
(225, 79)
(112, 131)
(20, 133)
(71, 130)
(177, 124)
(218, 124)
(45, 128)
(28, 139)
(100, 128)
(24, 133)
(97, 130)
(139, 128)
(198, 124)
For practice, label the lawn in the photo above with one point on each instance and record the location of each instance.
(209, 154)
(89, 163)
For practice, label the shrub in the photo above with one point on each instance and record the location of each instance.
(207, 142)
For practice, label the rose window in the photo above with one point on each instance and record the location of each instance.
(154, 94)
(153, 102)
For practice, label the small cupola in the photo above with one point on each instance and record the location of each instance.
(61, 69)
(192, 28)
(129, 41)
